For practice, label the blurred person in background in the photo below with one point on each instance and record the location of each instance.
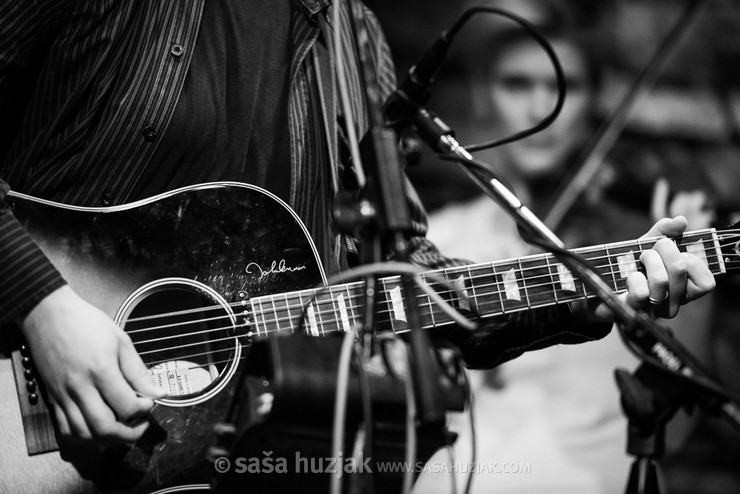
(557, 409)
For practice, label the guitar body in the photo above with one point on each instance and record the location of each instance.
(207, 247)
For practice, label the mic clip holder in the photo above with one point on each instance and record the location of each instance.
(650, 397)
(648, 406)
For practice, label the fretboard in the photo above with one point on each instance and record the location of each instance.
(488, 289)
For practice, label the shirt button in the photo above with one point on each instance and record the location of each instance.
(148, 133)
(177, 49)
(106, 199)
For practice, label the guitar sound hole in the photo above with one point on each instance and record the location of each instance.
(184, 338)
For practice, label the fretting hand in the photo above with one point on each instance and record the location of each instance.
(671, 277)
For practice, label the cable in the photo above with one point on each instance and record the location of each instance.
(395, 268)
(411, 440)
(368, 439)
(473, 435)
(340, 407)
(559, 75)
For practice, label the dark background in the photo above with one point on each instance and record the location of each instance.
(707, 59)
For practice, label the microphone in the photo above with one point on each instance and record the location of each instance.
(414, 89)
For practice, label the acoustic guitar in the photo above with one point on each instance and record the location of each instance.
(196, 274)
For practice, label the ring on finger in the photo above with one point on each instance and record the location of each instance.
(656, 301)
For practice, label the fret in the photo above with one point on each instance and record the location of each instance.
(716, 259)
(425, 307)
(309, 314)
(538, 281)
(284, 319)
(327, 313)
(625, 257)
(523, 275)
(391, 292)
(456, 294)
(705, 246)
(350, 301)
(290, 317)
(566, 286)
(643, 245)
(696, 248)
(301, 314)
(430, 304)
(340, 309)
(509, 286)
(474, 296)
(257, 313)
(488, 298)
(354, 302)
(269, 315)
(313, 327)
(555, 276)
(397, 305)
(318, 312)
(599, 259)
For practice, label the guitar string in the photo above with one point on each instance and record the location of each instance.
(450, 271)
(313, 291)
(277, 320)
(187, 345)
(318, 314)
(548, 284)
(322, 331)
(179, 324)
(440, 271)
(267, 331)
(186, 335)
(265, 334)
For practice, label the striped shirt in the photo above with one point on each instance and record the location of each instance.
(88, 87)
(107, 78)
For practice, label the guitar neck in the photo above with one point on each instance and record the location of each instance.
(488, 289)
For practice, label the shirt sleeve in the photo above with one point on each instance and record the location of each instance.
(27, 274)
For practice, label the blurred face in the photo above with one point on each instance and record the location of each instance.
(524, 91)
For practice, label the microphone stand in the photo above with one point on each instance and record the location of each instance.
(390, 227)
(649, 401)
(384, 226)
